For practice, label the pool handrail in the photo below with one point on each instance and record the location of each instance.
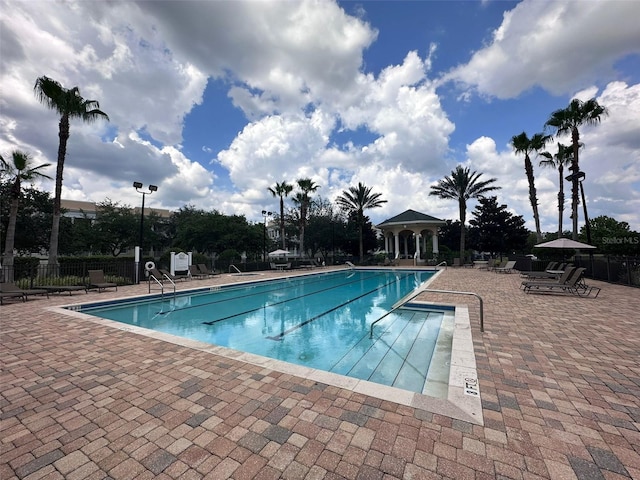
(459, 293)
(161, 283)
(235, 268)
(411, 297)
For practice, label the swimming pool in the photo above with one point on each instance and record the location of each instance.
(456, 395)
(320, 321)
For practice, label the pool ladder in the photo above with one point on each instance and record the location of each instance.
(235, 268)
(160, 283)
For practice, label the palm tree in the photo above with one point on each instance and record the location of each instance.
(462, 185)
(19, 170)
(523, 144)
(357, 200)
(563, 157)
(302, 198)
(568, 120)
(69, 104)
(281, 190)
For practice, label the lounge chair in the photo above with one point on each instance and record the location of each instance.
(205, 270)
(97, 281)
(549, 280)
(179, 276)
(571, 282)
(496, 264)
(195, 272)
(544, 273)
(11, 290)
(456, 262)
(507, 268)
(63, 288)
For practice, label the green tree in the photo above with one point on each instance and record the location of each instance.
(495, 230)
(302, 198)
(19, 169)
(114, 228)
(354, 202)
(69, 104)
(33, 221)
(282, 189)
(523, 144)
(569, 120)
(563, 157)
(613, 237)
(462, 185)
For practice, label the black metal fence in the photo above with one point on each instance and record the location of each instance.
(624, 270)
(66, 274)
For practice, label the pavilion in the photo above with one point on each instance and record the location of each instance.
(410, 225)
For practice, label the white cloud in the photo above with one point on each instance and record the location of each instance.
(296, 70)
(557, 45)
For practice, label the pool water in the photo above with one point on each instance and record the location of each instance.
(321, 321)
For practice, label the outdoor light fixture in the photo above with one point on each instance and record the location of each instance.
(579, 177)
(152, 188)
(265, 214)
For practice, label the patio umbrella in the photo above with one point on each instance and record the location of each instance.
(279, 253)
(564, 243)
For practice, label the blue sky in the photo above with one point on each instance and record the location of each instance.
(216, 101)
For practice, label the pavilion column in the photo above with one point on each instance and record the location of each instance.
(418, 246)
(396, 238)
(434, 240)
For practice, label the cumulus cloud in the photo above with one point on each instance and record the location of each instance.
(559, 46)
(296, 71)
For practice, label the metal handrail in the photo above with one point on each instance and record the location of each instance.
(434, 291)
(236, 268)
(459, 293)
(161, 283)
(444, 262)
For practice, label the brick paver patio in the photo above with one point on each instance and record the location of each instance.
(559, 380)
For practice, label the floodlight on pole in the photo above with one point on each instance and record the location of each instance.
(152, 188)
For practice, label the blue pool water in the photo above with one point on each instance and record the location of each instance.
(320, 321)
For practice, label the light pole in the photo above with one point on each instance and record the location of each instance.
(579, 177)
(265, 214)
(152, 188)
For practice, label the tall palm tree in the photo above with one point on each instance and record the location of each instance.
(20, 169)
(69, 104)
(306, 186)
(281, 190)
(563, 157)
(357, 200)
(462, 185)
(569, 120)
(523, 144)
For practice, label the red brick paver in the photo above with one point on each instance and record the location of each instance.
(559, 379)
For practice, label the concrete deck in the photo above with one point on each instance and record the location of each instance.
(559, 381)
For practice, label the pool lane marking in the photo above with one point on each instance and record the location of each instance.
(281, 335)
(280, 284)
(288, 300)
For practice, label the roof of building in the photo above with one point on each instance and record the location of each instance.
(411, 216)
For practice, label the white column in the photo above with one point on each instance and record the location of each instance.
(418, 246)
(434, 240)
(396, 238)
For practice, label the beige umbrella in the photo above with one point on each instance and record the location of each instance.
(564, 243)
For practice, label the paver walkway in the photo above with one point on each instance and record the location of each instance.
(559, 380)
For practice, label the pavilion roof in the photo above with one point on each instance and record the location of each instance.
(411, 216)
